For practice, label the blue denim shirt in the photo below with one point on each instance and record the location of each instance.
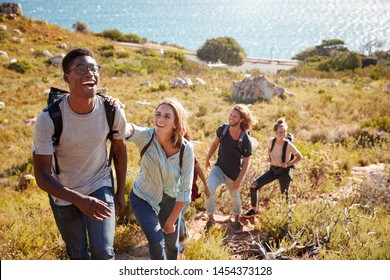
(161, 174)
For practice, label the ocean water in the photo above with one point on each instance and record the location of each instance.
(276, 29)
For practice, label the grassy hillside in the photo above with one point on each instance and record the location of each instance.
(337, 123)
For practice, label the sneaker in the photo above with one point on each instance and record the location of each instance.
(251, 213)
(209, 224)
(237, 227)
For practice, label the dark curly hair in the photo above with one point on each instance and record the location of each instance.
(72, 55)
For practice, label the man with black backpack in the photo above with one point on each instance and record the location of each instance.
(71, 160)
(233, 160)
(282, 155)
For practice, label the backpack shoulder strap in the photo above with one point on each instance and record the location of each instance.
(285, 144)
(241, 139)
(110, 117)
(146, 146)
(183, 146)
(225, 129)
(56, 116)
(273, 143)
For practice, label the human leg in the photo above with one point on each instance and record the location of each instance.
(214, 180)
(150, 225)
(235, 198)
(257, 184)
(285, 181)
(70, 222)
(182, 227)
(171, 239)
(101, 233)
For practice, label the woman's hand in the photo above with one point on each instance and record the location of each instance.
(169, 228)
(114, 101)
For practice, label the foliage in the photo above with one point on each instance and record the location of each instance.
(116, 35)
(20, 66)
(223, 49)
(381, 123)
(80, 26)
(326, 48)
(208, 247)
(177, 55)
(326, 114)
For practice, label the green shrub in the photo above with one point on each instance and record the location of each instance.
(123, 54)
(163, 86)
(224, 49)
(20, 66)
(130, 38)
(3, 36)
(378, 122)
(135, 67)
(106, 48)
(177, 55)
(113, 34)
(207, 248)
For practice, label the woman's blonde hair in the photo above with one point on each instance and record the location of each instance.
(281, 122)
(181, 116)
(245, 114)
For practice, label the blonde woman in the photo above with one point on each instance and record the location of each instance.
(280, 167)
(163, 185)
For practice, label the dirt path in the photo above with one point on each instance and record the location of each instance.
(367, 175)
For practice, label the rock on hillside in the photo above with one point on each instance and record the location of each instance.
(255, 88)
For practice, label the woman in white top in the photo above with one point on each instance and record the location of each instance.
(280, 167)
(163, 185)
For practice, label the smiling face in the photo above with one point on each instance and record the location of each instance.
(281, 132)
(80, 83)
(234, 118)
(164, 119)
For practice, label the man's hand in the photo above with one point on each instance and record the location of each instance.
(94, 208)
(236, 186)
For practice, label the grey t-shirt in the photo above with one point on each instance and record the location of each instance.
(82, 151)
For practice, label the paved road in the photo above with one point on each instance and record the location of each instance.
(263, 64)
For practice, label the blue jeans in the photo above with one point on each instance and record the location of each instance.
(183, 228)
(216, 178)
(161, 246)
(268, 177)
(76, 229)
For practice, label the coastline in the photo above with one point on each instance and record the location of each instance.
(263, 64)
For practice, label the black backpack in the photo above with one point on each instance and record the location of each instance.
(54, 99)
(240, 139)
(290, 138)
(183, 145)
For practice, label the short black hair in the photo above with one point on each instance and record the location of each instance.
(72, 55)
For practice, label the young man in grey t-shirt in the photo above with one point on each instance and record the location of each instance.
(81, 193)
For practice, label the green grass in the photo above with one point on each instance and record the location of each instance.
(328, 117)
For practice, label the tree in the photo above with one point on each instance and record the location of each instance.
(80, 26)
(223, 49)
(352, 61)
(371, 45)
(327, 48)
